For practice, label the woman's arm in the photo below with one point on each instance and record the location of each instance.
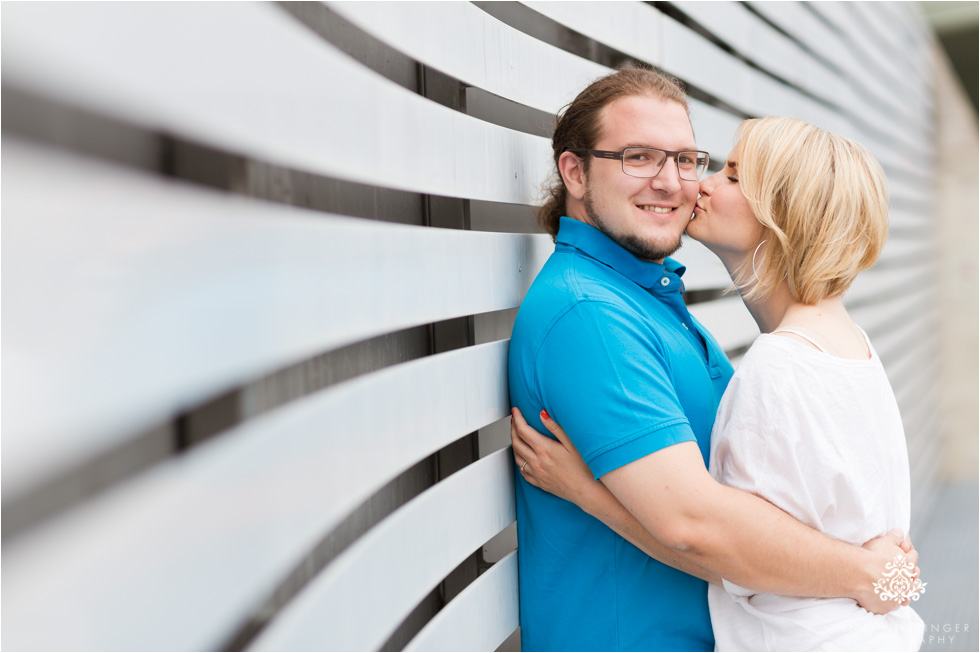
(557, 468)
(725, 529)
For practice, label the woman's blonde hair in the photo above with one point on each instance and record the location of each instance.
(823, 200)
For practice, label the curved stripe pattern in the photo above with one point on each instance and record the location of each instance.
(134, 299)
(173, 294)
(480, 618)
(416, 547)
(203, 540)
(273, 90)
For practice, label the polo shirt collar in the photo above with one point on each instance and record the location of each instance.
(595, 243)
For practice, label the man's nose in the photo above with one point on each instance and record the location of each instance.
(668, 178)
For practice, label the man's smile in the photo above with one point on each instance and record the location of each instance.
(656, 209)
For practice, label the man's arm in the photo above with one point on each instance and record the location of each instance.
(742, 537)
(602, 505)
(558, 468)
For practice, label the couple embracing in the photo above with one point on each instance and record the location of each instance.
(663, 502)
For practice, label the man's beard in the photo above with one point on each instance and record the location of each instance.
(631, 242)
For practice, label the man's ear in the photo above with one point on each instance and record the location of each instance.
(572, 171)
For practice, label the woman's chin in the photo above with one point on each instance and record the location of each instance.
(692, 230)
(715, 248)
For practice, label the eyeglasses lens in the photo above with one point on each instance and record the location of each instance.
(647, 162)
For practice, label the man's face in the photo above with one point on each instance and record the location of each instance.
(645, 216)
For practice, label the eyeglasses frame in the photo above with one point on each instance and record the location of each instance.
(606, 154)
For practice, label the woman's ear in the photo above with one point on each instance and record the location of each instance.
(572, 171)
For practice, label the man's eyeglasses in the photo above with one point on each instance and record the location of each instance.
(649, 161)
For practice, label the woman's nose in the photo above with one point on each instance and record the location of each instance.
(708, 183)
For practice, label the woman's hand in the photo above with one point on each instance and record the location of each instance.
(555, 467)
(886, 544)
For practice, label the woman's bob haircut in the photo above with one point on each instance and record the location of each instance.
(823, 202)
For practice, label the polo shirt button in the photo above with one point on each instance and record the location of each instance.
(665, 281)
(685, 326)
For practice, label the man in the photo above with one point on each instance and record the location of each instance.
(604, 343)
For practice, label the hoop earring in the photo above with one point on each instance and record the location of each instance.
(753, 259)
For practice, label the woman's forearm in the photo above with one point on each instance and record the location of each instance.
(599, 502)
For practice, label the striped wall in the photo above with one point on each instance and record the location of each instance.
(260, 265)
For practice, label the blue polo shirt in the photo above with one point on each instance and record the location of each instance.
(604, 342)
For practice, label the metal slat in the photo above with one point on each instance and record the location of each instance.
(873, 283)
(880, 18)
(630, 27)
(462, 41)
(795, 20)
(713, 128)
(704, 270)
(714, 69)
(482, 51)
(646, 34)
(881, 318)
(749, 35)
(480, 618)
(135, 297)
(182, 556)
(916, 35)
(362, 596)
(906, 249)
(728, 321)
(900, 359)
(877, 67)
(146, 296)
(917, 415)
(250, 79)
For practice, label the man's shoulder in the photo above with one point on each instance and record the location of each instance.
(562, 291)
(569, 310)
(569, 278)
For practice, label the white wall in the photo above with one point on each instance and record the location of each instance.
(261, 264)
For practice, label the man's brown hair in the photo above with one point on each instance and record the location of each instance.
(579, 124)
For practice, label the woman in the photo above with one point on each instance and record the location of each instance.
(809, 421)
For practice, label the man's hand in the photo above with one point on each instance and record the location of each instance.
(885, 548)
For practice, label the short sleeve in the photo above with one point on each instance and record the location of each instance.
(763, 442)
(604, 378)
(739, 455)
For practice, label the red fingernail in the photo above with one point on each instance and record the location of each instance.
(545, 415)
(512, 411)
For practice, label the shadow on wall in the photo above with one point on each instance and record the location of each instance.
(955, 24)
(957, 264)
(948, 539)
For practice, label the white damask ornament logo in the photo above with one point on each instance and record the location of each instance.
(898, 584)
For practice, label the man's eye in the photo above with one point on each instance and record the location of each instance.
(637, 158)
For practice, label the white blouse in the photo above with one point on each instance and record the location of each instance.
(820, 437)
